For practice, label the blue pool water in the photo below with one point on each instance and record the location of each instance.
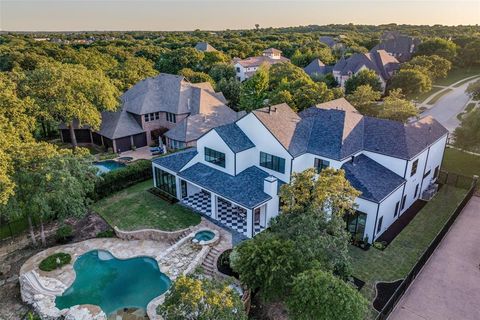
(108, 165)
(111, 283)
(204, 235)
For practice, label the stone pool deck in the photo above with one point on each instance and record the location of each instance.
(40, 288)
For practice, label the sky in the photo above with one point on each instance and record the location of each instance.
(168, 15)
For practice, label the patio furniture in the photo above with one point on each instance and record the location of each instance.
(156, 150)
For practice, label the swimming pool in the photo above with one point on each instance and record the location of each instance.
(107, 166)
(111, 283)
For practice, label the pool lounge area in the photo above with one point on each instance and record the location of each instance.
(108, 165)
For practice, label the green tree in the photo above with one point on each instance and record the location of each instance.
(231, 89)
(436, 67)
(222, 71)
(194, 299)
(196, 76)
(317, 294)
(437, 46)
(470, 54)
(364, 77)
(266, 263)
(175, 60)
(68, 92)
(467, 135)
(411, 81)
(396, 107)
(254, 91)
(364, 99)
(473, 90)
(131, 71)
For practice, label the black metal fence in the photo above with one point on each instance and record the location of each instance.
(454, 179)
(451, 179)
(9, 229)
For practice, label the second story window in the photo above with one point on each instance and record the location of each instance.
(321, 164)
(272, 162)
(215, 157)
(171, 117)
(414, 168)
(152, 116)
(238, 69)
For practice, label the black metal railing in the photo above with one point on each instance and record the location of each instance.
(458, 181)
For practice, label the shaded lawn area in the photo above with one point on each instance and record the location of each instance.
(419, 98)
(457, 161)
(401, 255)
(135, 208)
(458, 74)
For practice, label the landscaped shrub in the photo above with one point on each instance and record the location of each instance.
(106, 234)
(55, 261)
(64, 234)
(117, 180)
(223, 264)
(380, 245)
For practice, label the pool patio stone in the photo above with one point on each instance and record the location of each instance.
(40, 288)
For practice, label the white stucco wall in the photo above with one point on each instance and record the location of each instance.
(435, 158)
(307, 160)
(387, 210)
(266, 142)
(370, 208)
(213, 141)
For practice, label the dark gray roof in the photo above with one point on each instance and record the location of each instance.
(379, 61)
(329, 41)
(401, 46)
(205, 47)
(373, 180)
(245, 189)
(177, 160)
(316, 67)
(119, 124)
(234, 137)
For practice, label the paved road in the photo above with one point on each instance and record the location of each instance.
(448, 287)
(445, 110)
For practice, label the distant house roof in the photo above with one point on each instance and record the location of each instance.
(245, 189)
(234, 137)
(316, 67)
(373, 180)
(177, 160)
(205, 47)
(400, 46)
(329, 41)
(272, 51)
(379, 61)
(336, 130)
(263, 59)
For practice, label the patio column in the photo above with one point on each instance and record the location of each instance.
(249, 223)
(213, 205)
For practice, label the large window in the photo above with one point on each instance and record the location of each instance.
(171, 117)
(272, 162)
(175, 144)
(414, 168)
(321, 164)
(215, 157)
(356, 224)
(152, 116)
(166, 182)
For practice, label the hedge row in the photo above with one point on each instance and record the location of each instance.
(117, 180)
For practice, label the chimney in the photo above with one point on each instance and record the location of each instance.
(270, 186)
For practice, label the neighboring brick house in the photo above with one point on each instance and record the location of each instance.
(400, 46)
(245, 68)
(379, 61)
(165, 106)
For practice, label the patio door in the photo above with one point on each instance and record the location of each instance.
(256, 216)
(183, 184)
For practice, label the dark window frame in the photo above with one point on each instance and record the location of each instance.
(272, 162)
(379, 225)
(397, 206)
(436, 172)
(215, 157)
(416, 190)
(166, 182)
(404, 201)
(414, 168)
(355, 221)
(171, 117)
(321, 164)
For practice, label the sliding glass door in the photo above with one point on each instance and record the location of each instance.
(166, 182)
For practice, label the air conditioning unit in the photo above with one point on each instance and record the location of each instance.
(430, 192)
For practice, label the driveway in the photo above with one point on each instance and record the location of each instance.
(448, 287)
(445, 110)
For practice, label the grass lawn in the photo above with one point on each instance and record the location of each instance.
(460, 162)
(463, 82)
(458, 74)
(135, 208)
(419, 98)
(438, 96)
(401, 255)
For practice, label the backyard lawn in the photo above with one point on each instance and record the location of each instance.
(403, 252)
(135, 208)
(456, 75)
(460, 162)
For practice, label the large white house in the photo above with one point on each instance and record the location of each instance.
(245, 68)
(234, 173)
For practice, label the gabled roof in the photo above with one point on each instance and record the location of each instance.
(336, 104)
(234, 137)
(194, 126)
(401, 46)
(316, 67)
(373, 180)
(329, 41)
(119, 124)
(168, 93)
(177, 160)
(204, 47)
(246, 188)
(379, 61)
(258, 61)
(280, 120)
(272, 50)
